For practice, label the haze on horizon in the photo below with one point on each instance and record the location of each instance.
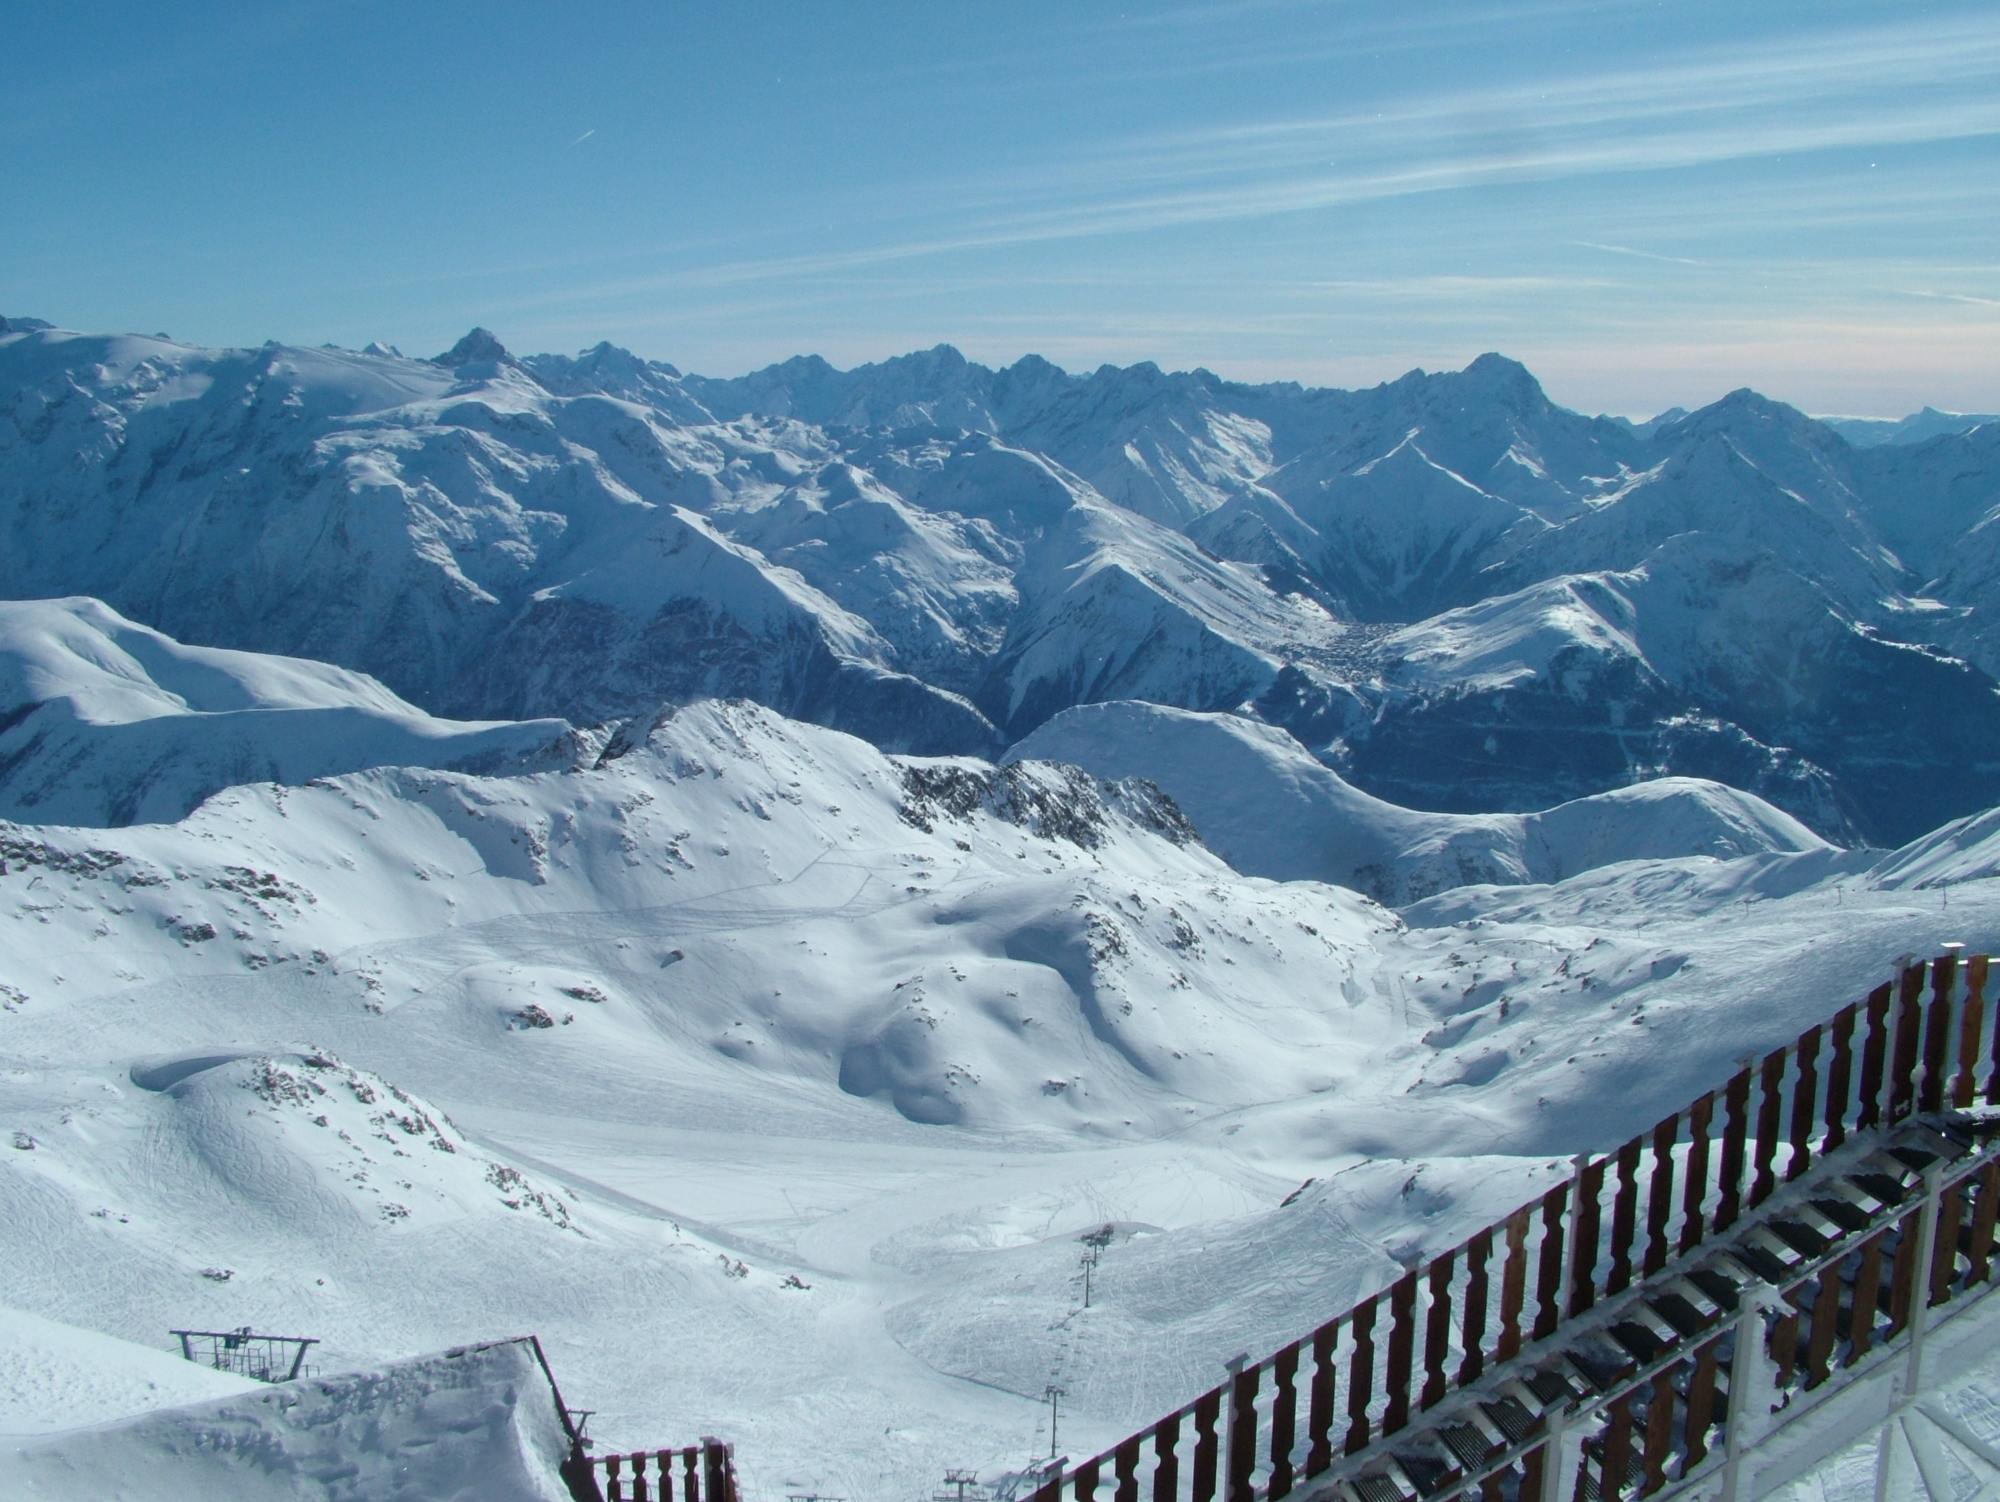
(1647, 204)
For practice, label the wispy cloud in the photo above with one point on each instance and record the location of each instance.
(1644, 255)
(585, 136)
(1961, 297)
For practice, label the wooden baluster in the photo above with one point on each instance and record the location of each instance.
(1903, 1274)
(1700, 1406)
(1805, 1102)
(1971, 1032)
(716, 1470)
(1402, 1341)
(1166, 1462)
(1945, 1249)
(1770, 1109)
(1437, 1330)
(1839, 1076)
(1513, 1286)
(1735, 1137)
(1825, 1315)
(1908, 1036)
(1051, 1489)
(1548, 1286)
(1207, 1409)
(1584, 1244)
(1533, 1464)
(1625, 1216)
(1693, 1226)
(1659, 1433)
(640, 1491)
(1785, 1343)
(1319, 1414)
(1979, 1236)
(614, 1487)
(1472, 1333)
(1242, 1434)
(1125, 1471)
(1938, 1034)
(1660, 1194)
(1617, 1464)
(1360, 1373)
(1866, 1297)
(663, 1464)
(1874, 1056)
(1284, 1418)
(1085, 1480)
(691, 1474)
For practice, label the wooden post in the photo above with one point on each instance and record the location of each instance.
(1125, 1470)
(1242, 1434)
(1625, 1216)
(1472, 1335)
(1866, 1299)
(1166, 1463)
(1284, 1418)
(1085, 1481)
(1971, 1032)
(1513, 1286)
(1874, 1057)
(1908, 1035)
(1979, 1236)
(1548, 1286)
(1805, 1102)
(1360, 1373)
(1735, 1137)
(663, 1464)
(1825, 1314)
(1437, 1330)
(1319, 1414)
(640, 1491)
(691, 1475)
(1839, 1076)
(1617, 1449)
(1693, 1225)
(1944, 1263)
(1770, 1108)
(1937, 1034)
(1402, 1339)
(717, 1471)
(1207, 1410)
(613, 1482)
(1700, 1404)
(1583, 1246)
(1660, 1194)
(1659, 1433)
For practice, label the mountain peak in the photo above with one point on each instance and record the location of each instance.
(1497, 373)
(20, 325)
(479, 347)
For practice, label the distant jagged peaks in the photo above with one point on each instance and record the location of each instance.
(479, 347)
(19, 325)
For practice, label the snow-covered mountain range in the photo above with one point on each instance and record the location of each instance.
(738, 876)
(1451, 590)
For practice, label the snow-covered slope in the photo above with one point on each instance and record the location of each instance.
(470, 1424)
(103, 721)
(773, 1080)
(1264, 804)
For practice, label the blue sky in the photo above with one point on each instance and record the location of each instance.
(1647, 203)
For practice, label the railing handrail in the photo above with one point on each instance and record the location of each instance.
(1914, 1056)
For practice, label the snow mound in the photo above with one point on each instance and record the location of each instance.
(1261, 801)
(55, 1376)
(479, 1424)
(107, 722)
(308, 1137)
